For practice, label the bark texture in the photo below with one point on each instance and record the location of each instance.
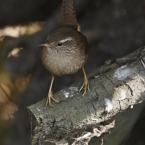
(114, 87)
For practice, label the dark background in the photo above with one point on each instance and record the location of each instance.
(113, 28)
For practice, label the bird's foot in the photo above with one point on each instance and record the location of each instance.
(85, 86)
(50, 96)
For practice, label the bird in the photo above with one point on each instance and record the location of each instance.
(66, 49)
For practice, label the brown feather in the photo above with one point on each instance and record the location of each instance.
(68, 17)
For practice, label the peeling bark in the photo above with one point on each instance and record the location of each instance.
(114, 87)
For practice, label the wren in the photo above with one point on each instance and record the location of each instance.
(66, 49)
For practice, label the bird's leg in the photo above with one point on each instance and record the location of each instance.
(85, 83)
(50, 93)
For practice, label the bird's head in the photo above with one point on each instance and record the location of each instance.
(64, 39)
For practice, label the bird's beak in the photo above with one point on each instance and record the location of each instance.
(44, 45)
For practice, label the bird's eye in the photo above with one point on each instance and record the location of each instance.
(59, 43)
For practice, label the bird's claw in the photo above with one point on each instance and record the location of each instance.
(50, 96)
(85, 86)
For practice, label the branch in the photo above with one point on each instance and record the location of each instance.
(114, 87)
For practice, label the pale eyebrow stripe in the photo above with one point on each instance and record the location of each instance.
(67, 39)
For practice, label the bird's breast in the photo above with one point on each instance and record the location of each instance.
(61, 63)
